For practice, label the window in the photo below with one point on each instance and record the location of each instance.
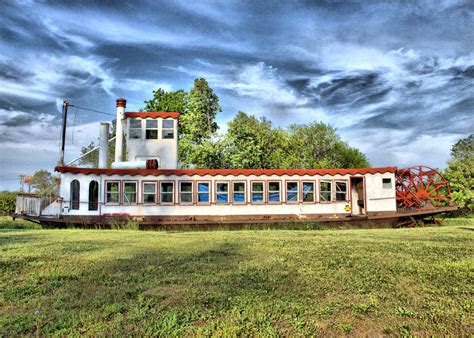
(151, 129)
(325, 191)
(257, 192)
(239, 192)
(387, 183)
(75, 194)
(273, 192)
(112, 192)
(292, 192)
(135, 129)
(341, 191)
(149, 192)
(166, 192)
(308, 191)
(186, 192)
(130, 192)
(93, 196)
(168, 129)
(203, 192)
(222, 192)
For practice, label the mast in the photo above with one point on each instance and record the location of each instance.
(63, 138)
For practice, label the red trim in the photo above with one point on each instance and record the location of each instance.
(152, 114)
(121, 102)
(137, 192)
(179, 192)
(119, 192)
(315, 192)
(197, 192)
(224, 172)
(298, 184)
(172, 194)
(142, 196)
(245, 193)
(228, 192)
(264, 201)
(280, 201)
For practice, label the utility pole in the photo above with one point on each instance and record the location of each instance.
(63, 138)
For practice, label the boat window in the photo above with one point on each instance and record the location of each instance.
(257, 192)
(130, 192)
(239, 192)
(93, 195)
(222, 192)
(168, 129)
(149, 192)
(112, 192)
(308, 191)
(135, 129)
(273, 192)
(325, 191)
(203, 192)
(186, 192)
(75, 194)
(151, 129)
(387, 183)
(341, 191)
(166, 192)
(292, 192)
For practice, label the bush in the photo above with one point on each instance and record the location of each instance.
(7, 202)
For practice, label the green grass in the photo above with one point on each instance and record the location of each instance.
(359, 282)
(6, 222)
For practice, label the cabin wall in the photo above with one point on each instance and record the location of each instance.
(378, 198)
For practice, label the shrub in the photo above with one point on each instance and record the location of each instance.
(7, 202)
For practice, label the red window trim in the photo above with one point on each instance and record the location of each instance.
(179, 192)
(228, 191)
(173, 192)
(197, 192)
(245, 202)
(298, 187)
(157, 192)
(268, 192)
(315, 198)
(119, 192)
(263, 192)
(347, 192)
(137, 192)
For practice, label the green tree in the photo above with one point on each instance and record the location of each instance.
(460, 173)
(92, 159)
(44, 183)
(168, 101)
(197, 143)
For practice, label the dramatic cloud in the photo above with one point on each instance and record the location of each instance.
(395, 78)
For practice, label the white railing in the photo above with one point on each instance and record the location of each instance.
(32, 204)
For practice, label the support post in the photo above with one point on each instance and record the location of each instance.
(63, 137)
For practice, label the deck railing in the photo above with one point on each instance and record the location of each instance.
(32, 204)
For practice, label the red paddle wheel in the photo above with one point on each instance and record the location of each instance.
(421, 187)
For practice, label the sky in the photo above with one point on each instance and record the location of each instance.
(395, 78)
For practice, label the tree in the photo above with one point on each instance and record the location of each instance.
(44, 183)
(168, 101)
(198, 127)
(460, 173)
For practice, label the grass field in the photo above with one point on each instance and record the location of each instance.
(389, 281)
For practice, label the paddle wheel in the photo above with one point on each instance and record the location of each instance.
(421, 188)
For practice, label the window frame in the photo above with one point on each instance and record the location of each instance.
(336, 192)
(384, 183)
(74, 203)
(143, 193)
(167, 129)
(151, 129)
(216, 192)
(122, 195)
(172, 193)
(209, 184)
(130, 128)
(331, 190)
(244, 192)
(252, 192)
(315, 198)
(279, 192)
(298, 184)
(179, 192)
(119, 192)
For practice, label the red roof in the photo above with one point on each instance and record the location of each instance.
(224, 172)
(152, 114)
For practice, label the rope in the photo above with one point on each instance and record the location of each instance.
(93, 110)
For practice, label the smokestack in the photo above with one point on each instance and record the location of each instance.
(121, 104)
(104, 145)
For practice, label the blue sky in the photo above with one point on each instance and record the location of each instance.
(395, 78)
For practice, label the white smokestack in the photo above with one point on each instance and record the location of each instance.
(104, 144)
(121, 104)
